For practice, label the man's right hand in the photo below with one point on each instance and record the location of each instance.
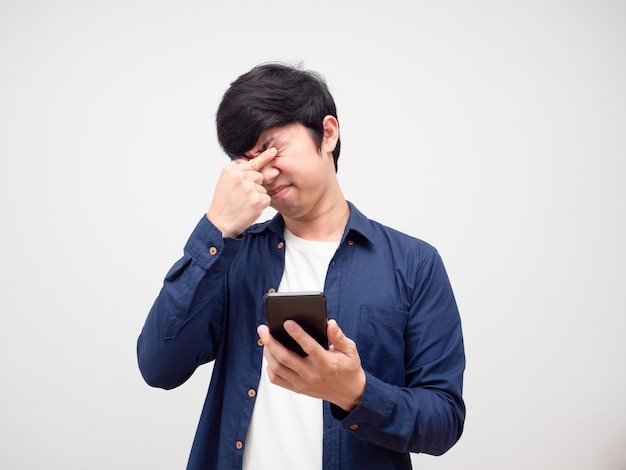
(240, 198)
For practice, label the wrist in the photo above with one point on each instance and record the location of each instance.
(226, 233)
(356, 394)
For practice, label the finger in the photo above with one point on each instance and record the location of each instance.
(338, 339)
(264, 334)
(278, 358)
(306, 341)
(263, 331)
(263, 159)
(271, 345)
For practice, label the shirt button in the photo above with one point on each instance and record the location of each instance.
(280, 245)
(354, 426)
(251, 393)
(239, 445)
(213, 251)
(350, 242)
(271, 290)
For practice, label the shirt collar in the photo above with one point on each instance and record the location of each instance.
(357, 224)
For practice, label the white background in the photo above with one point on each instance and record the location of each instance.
(494, 130)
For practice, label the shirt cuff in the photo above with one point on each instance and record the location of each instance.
(207, 247)
(372, 412)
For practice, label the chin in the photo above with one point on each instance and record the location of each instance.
(290, 211)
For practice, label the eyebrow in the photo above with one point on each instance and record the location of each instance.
(267, 142)
(264, 145)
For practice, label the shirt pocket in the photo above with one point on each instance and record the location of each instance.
(381, 344)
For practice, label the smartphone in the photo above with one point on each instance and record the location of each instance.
(307, 309)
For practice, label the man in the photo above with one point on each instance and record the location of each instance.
(391, 381)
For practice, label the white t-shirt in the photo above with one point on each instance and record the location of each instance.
(286, 428)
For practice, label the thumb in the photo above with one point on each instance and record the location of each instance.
(338, 339)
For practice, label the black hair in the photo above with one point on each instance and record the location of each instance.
(269, 95)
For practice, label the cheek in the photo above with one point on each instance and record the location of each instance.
(303, 166)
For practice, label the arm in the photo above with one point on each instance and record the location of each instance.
(426, 413)
(184, 326)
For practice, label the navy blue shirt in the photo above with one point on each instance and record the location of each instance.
(389, 292)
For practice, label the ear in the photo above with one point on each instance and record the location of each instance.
(331, 133)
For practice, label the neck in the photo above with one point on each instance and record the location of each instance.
(327, 224)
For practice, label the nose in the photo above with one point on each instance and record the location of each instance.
(269, 172)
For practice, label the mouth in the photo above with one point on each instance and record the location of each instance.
(277, 191)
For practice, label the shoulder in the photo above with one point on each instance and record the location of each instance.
(378, 233)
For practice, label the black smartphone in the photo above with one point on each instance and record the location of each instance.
(307, 309)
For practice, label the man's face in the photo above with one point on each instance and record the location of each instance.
(297, 178)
